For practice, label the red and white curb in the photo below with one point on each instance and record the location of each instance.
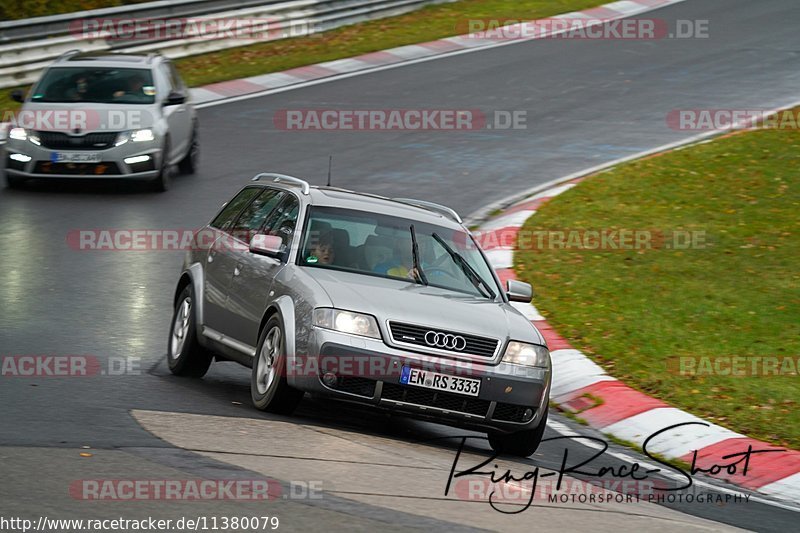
(414, 53)
(578, 384)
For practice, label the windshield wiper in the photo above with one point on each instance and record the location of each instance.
(419, 274)
(467, 269)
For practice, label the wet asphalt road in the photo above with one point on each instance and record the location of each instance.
(587, 102)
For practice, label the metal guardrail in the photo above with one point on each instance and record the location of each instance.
(28, 46)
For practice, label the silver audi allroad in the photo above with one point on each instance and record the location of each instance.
(379, 301)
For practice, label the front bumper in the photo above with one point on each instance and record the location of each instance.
(367, 371)
(112, 162)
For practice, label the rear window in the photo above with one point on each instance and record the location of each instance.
(96, 85)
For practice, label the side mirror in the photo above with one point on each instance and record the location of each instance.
(18, 96)
(518, 291)
(269, 245)
(175, 98)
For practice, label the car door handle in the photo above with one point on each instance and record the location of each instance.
(211, 257)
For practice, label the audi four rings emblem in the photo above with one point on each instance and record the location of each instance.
(445, 340)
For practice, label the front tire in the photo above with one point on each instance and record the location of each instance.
(185, 356)
(189, 163)
(521, 443)
(13, 182)
(269, 389)
(161, 182)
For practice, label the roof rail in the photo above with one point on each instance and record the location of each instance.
(278, 178)
(441, 209)
(68, 53)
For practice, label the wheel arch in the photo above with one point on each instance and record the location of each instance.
(284, 308)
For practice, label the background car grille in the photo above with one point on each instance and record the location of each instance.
(411, 334)
(429, 398)
(91, 141)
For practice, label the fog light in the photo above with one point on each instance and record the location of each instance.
(527, 415)
(330, 379)
(22, 158)
(136, 159)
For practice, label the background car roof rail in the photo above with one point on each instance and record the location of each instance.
(444, 210)
(68, 53)
(281, 178)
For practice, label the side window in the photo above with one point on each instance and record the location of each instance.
(254, 215)
(232, 209)
(283, 220)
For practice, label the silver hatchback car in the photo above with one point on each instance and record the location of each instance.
(101, 115)
(385, 302)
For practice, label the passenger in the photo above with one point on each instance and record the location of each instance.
(134, 90)
(321, 251)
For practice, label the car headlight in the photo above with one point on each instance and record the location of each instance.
(136, 136)
(144, 135)
(520, 353)
(347, 322)
(18, 134)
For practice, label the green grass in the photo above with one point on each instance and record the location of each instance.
(429, 23)
(635, 311)
(23, 9)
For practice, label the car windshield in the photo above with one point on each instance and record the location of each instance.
(96, 85)
(382, 245)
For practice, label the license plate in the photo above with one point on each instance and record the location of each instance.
(442, 382)
(75, 157)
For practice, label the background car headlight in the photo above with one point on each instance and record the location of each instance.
(347, 322)
(142, 135)
(520, 353)
(18, 134)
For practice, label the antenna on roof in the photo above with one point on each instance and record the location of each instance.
(330, 164)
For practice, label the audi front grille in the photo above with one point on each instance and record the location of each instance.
(443, 340)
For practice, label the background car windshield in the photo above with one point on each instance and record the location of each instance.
(381, 245)
(97, 85)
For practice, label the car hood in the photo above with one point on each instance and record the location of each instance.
(86, 116)
(409, 302)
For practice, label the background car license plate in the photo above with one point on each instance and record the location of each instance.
(442, 382)
(75, 157)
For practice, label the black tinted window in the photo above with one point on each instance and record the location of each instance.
(229, 213)
(99, 85)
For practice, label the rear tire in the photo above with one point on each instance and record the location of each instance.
(521, 443)
(185, 356)
(161, 182)
(269, 389)
(189, 163)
